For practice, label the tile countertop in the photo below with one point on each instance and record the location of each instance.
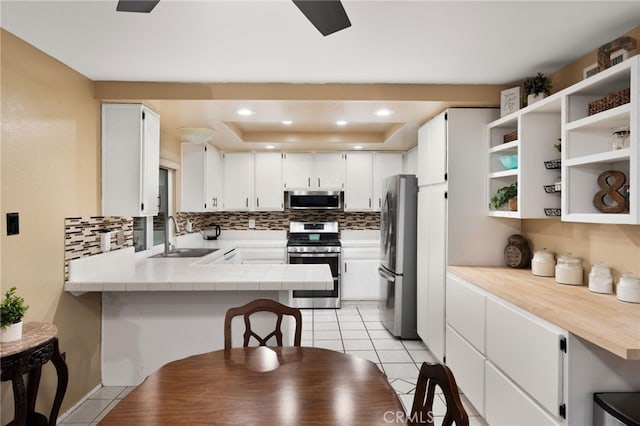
(123, 270)
(598, 318)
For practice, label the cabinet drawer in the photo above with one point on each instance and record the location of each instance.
(467, 365)
(506, 404)
(466, 311)
(527, 349)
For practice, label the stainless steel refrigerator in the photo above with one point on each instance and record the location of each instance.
(398, 227)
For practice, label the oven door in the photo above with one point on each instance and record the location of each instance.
(318, 298)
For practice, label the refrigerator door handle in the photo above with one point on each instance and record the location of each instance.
(386, 275)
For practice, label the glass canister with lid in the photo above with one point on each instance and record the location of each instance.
(543, 263)
(600, 279)
(569, 270)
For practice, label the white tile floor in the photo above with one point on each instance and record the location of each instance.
(355, 329)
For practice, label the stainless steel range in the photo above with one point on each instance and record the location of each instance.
(316, 243)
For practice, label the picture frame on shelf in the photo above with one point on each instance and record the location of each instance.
(509, 101)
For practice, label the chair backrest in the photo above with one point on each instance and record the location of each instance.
(262, 305)
(422, 409)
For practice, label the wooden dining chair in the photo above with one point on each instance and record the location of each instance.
(262, 305)
(430, 376)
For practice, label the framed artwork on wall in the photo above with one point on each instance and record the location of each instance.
(509, 101)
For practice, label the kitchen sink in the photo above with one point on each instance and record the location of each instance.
(186, 252)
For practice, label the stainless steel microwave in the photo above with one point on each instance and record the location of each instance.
(319, 200)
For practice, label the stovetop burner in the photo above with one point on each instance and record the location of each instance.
(313, 234)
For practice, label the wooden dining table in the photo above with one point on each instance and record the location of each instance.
(262, 386)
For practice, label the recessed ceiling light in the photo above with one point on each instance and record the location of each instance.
(341, 123)
(383, 112)
(357, 147)
(245, 111)
(287, 122)
(269, 146)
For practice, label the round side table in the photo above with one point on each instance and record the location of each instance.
(27, 355)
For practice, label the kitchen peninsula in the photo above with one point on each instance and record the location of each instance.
(156, 310)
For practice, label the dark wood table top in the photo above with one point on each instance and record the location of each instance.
(262, 386)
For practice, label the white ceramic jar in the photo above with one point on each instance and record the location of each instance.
(600, 279)
(543, 263)
(628, 288)
(569, 270)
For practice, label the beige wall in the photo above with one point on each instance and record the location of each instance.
(617, 245)
(572, 73)
(50, 170)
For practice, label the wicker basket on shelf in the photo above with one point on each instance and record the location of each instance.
(613, 100)
(509, 137)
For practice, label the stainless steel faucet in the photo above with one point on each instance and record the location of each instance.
(168, 247)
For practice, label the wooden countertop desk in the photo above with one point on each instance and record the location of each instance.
(265, 386)
(598, 318)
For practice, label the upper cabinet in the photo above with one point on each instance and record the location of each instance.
(201, 178)
(434, 143)
(600, 170)
(523, 156)
(238, 181)
(358, 188)
(130, 160)
(312, 171)
(268, 193)
(385, 164)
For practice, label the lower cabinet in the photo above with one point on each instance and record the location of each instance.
(271, 256)
(508, 363)
(527, 349)
(467, 365)
(508, 405)
(360, 279)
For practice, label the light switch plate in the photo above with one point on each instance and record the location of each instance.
(252, 223)
(13, 224)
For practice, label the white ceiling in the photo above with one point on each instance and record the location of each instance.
(426, 42)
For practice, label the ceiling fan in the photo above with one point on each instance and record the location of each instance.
(328, 16)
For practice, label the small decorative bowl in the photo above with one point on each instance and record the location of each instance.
(509, 161)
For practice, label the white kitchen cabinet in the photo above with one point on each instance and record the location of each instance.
(238, 181)
(436, 147)
(411, 162)
(314, 171)
(213, 173)
(527, 350)
(268, 193)
(360, 279)
(263, 255)
(130, 160)
(358, 185)
(385, 164)
(329, 170)
(453, 227)
(587, 149)
(508, 405)
(230, 257)
(468, 367)
(538, 130)
(431, 267)
(466, 311)
(201, 178)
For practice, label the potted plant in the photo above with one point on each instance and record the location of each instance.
(12, 310)
(536, 88)
(505, 195)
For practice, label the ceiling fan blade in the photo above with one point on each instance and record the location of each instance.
(328, 16)
(140, 6)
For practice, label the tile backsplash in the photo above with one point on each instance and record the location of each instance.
(278, 221)
(82, 236)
